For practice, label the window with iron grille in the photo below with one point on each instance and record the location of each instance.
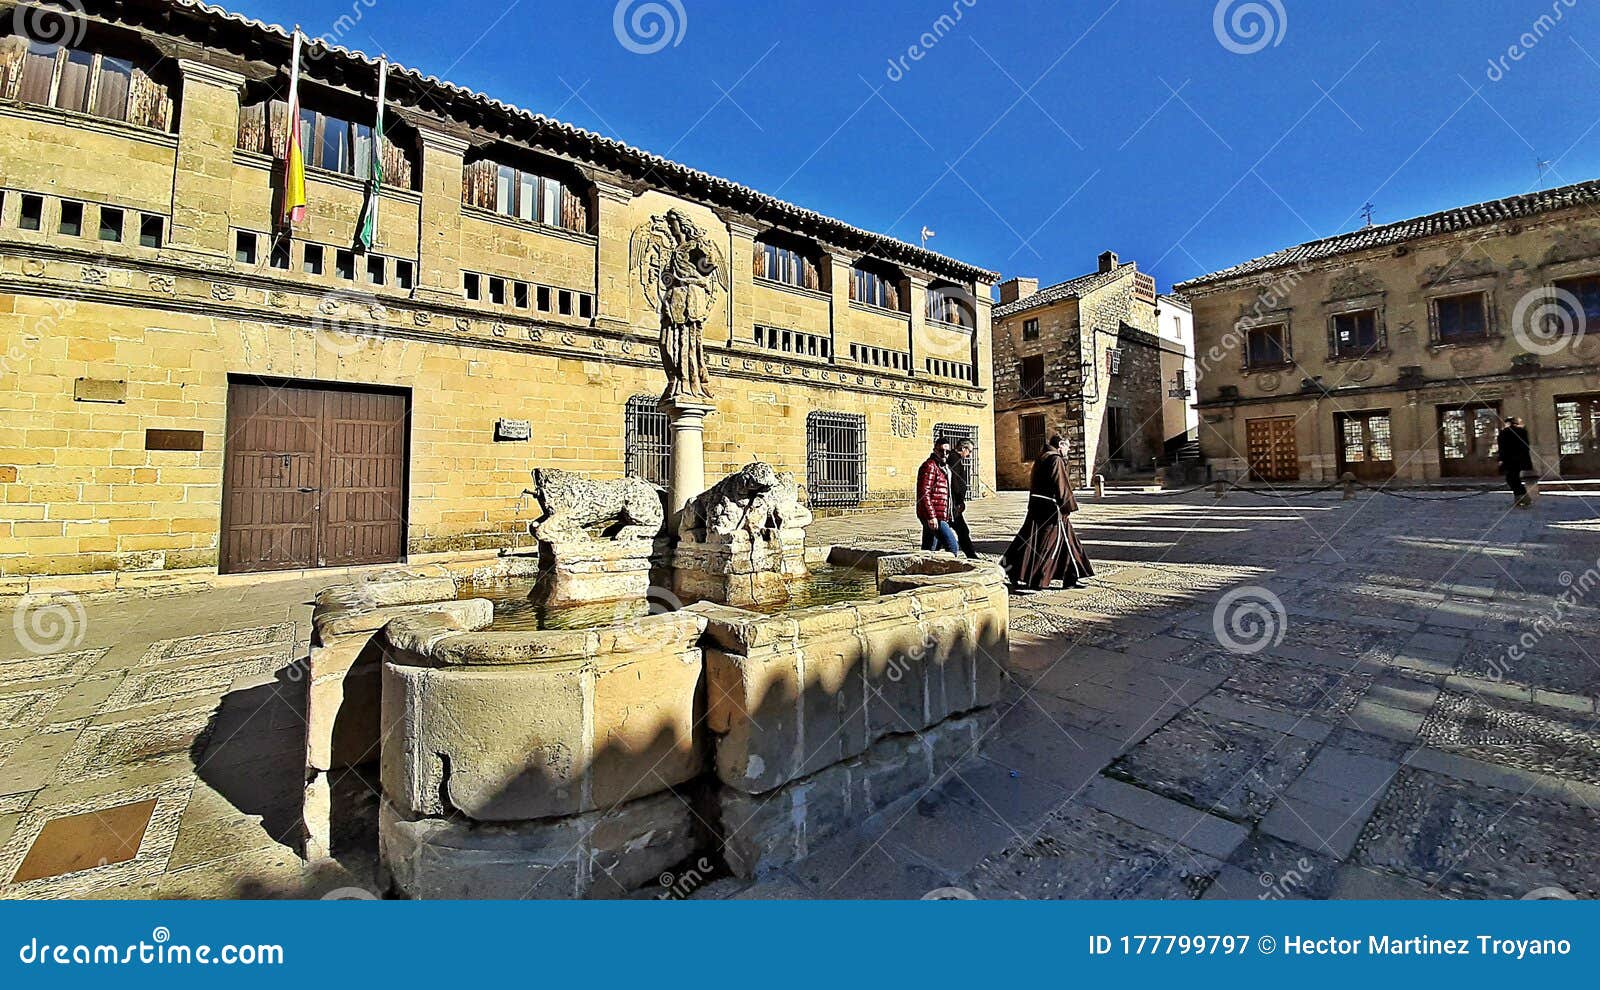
(1114, 360)
(1030, 431)
(955, 433)
(836, 459)
(648, 441)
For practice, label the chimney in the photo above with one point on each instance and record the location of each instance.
(1108, 261)
(1017, 288)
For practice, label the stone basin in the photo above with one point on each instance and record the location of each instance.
(577, 762)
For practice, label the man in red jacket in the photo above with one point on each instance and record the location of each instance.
(934, 506)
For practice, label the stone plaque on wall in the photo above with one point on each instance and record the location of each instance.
(100, 390)
(512, 429)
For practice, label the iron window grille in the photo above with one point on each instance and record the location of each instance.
(648, 442)
(955, 433)
(836, 459)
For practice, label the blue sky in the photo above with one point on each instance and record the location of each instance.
(1033, 134)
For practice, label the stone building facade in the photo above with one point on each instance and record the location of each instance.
(1084, 359)
(184, 388)
(1394, 352)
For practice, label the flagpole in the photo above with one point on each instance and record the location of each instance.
(294, 171)
(377, 146)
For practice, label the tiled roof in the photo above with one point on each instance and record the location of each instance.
(1445, 222)
(603, 149)
(1071, 289)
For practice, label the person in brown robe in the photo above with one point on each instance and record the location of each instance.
(1046, 548)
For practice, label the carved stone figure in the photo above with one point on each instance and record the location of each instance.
(757, 500)
(681, 269)
(575, 506)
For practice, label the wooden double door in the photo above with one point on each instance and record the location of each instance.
(1272, 450)
(313, 477)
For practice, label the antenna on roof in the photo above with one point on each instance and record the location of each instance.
(926, 233)
(1544, 165)
(1366, 214)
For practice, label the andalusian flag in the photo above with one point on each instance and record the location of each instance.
(294, 163)
(367, 236)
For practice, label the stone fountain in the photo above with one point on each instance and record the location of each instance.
(587, 760)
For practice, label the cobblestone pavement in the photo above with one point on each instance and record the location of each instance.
(1278, 697)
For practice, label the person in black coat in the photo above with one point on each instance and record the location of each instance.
(1516, 456)
(958, 497)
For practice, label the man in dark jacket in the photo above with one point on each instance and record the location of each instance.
(934, 507)
(1516, 456)
(958, 497)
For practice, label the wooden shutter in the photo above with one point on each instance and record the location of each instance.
(13, 54)
(396, 165)
(253, 128)
(478, 184)
(149, 104)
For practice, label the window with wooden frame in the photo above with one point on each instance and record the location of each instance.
(331, 143)
(1114, 360)
(1267, 346)
(1030, 329)
(524, 194)
(778, 260)
(82, 80)
(1355, 334)
(950, 304)
(1579, 301)
(1460, 318)
(1030, 377)
(875, 287)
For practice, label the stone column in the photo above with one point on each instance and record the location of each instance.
(443, 156)
(611, 284)
(741, 278)
(918, 324)
(839, 304)
(688, 422)
(202, 184)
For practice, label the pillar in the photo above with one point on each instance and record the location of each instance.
(612, 288)
(443, 156)
(918, 322)
(202, 183)
(741, 279)
(687, 420)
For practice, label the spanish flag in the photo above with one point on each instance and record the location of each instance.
(294, 163)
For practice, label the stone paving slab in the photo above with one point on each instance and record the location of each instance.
(1134, 754)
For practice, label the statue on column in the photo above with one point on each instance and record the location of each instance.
(681, 270)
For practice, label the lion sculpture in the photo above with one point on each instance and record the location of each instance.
(576, 507)
(756, 499)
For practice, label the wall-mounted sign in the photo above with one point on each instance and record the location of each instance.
(174, 440)
(512, 429)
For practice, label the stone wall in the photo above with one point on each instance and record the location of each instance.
(104, 340)
(1510, 262)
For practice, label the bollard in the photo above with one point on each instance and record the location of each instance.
(1099, 486)
(1219, 488)
(1349, 480)
(1532, 484)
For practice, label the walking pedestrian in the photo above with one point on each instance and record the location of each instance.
(1516, 456)
(1047, 547)
(958, 497)
(934, 507)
